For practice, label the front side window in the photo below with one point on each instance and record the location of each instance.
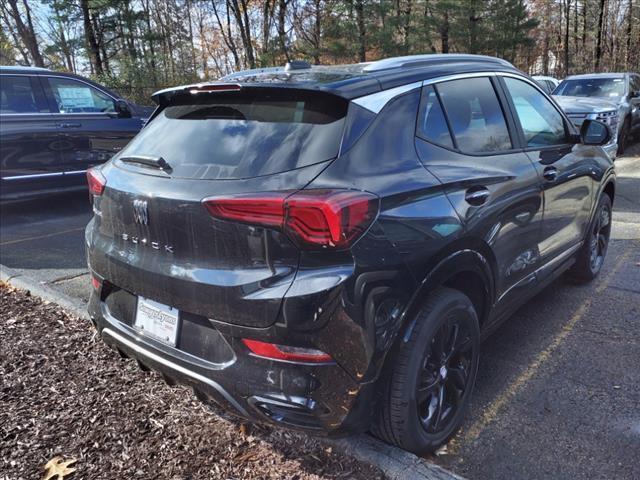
(72, 96)
(432, 125)
(17, 95)
(475, 116)
(541, 123)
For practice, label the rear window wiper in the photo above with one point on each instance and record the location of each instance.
(149, 161)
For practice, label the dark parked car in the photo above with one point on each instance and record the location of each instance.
(623, 89)
(324, 247)
(54, 126)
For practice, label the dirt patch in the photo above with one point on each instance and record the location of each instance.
(63, 393)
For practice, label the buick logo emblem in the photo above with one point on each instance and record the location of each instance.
(140, 214)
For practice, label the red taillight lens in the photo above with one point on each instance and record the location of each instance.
(95, 283)
(329, 218)
(312, 218)
(96, 181)
(260, 209)
(273, 351)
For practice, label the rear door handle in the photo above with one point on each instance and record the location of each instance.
(550, 173)
(477, 195)
(70, 125)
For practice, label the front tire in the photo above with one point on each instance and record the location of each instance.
(623, 138)
(594, 250)
(428, 385)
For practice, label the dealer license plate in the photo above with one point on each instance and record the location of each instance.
(157, 321)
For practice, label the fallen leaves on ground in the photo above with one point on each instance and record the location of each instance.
(57, 469)
(64, 394)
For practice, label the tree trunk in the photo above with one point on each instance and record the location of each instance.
(26, 31)
(282, 33)
(90, 39)
(444, 32)
(567, 67)
(362, 32)
(629, 34)
(599, 38)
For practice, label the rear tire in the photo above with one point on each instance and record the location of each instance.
(428, 384)
(594, 250)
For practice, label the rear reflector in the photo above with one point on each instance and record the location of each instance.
(311, 218)
(273, 351)
(96, 181)
(95, 283)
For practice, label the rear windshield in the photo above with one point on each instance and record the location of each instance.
(242, 135)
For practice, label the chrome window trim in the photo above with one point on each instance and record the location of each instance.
(376, 101)
(44, 175)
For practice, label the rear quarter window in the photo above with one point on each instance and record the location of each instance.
(244, 134)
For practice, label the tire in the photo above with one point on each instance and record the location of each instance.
(591, 255)
(623, 138)
(427, 379)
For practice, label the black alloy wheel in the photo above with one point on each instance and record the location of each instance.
(428, 382)
(590, 257)
(599, 240)
(445, 375)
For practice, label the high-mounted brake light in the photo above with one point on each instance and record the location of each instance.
(311, 218)
(215, 87)
(96, 181)
(273, 351)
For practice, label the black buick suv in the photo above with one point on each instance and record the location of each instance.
(324, 248)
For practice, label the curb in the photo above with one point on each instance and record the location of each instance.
(395, 463)
(24, 282)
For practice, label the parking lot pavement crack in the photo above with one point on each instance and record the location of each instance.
(623, 289)
(66, 277)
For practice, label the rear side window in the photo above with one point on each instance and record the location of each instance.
(541, 123)
(244, 134)
(475, 116)
(17, 95)
(432, 125)
(72, 96)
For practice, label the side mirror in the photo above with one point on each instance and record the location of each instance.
(635, 94)
(123, 109)
(593, 132)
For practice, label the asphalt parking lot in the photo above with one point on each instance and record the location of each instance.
(558, 393)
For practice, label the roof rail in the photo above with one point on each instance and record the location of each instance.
(22, 67)
(430, 59)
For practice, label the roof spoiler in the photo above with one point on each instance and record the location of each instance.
(162, 97)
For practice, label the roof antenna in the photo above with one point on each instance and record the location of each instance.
(297, 65)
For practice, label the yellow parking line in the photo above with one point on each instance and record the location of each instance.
(491, 413)
(10, 242)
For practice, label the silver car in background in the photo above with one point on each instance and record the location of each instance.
(623, 89)
(579, 109)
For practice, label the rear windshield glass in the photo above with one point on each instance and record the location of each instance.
(243, 135)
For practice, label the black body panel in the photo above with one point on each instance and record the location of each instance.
(492, 224)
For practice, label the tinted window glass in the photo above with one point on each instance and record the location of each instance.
(475, 115)
(77, 97)
(541, 122)
(243, 135)
(636, 83)
(17, 95)
(432, 125)
(592, 87)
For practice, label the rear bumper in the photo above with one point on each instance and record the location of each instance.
(322, 399)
